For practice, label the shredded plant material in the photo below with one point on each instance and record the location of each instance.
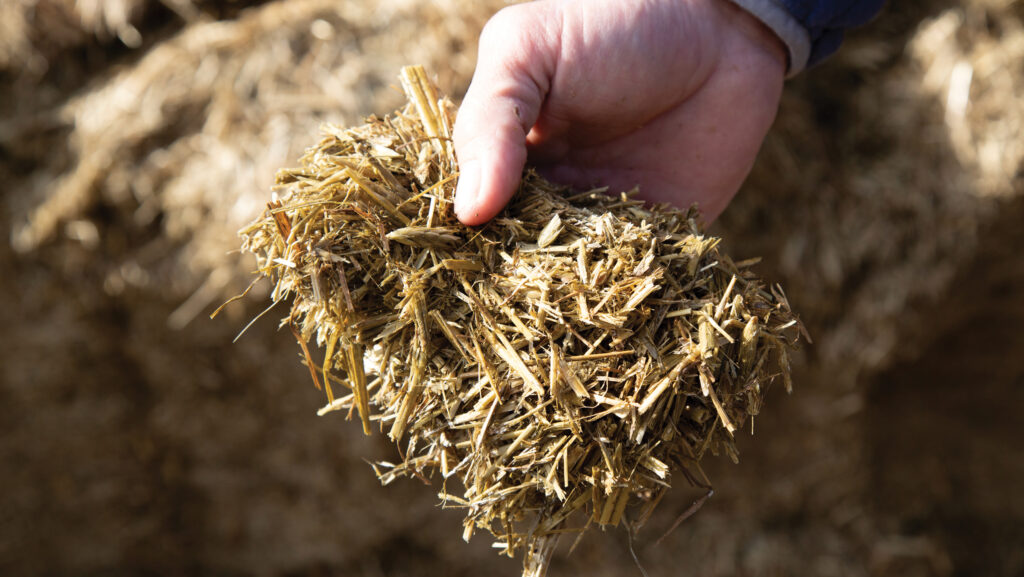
(563, 362)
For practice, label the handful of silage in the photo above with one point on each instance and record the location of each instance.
(569, 356)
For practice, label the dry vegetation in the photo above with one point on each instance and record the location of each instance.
(885, 202)
(908, 137)
(573, 355)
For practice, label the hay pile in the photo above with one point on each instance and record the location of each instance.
(972, 60)
(34, 32)
(180, 140)
(191, 454)
(570, 356)
(884, 168)
(838, 204)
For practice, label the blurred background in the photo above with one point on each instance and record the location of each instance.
(137, 135)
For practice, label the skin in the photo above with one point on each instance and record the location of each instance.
(675, 96)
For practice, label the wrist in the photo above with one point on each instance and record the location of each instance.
(754, 33)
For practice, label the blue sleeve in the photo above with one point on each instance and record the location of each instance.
(810, 29)
(826, 20)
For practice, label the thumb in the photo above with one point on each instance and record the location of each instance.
(503, 102)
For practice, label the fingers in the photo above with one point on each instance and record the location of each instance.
(518, 48)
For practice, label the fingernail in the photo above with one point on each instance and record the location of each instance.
(467, 189)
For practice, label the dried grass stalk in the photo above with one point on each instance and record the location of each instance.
(562, 362)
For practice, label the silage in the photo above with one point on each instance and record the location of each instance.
(564, 362)
(885, 167)
(862, 226)
(202, 115)
(185, 139)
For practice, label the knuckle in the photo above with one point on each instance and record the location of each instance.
(507, 23)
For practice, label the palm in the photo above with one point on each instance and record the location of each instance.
(665, 94)
(698, 151)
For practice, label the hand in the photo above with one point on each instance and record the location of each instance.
(672, 95)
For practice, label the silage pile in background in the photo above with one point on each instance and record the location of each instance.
(192, 133)
(187, 136)
(887, 165)
(34, 31)
(127, 171)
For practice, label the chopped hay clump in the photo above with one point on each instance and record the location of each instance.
(570, 356)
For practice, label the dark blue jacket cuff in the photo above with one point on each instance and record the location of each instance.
(811, 30)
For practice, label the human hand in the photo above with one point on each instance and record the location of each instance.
(672, 95)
